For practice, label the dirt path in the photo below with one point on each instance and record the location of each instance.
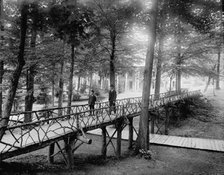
(166, 160)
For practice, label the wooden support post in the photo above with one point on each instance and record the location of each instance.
(130, 139)
(119, 137)
(104, 142)
(167, 120)
(69, 152)
(50, 153)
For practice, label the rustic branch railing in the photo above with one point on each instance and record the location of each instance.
(20, 135)
(53, 112)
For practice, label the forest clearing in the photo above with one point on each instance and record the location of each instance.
(68, 67)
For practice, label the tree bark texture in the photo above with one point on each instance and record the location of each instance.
(79, 82)
(161, 35)
(143, 138)
(14, 79)
(29, 99)
(1, 85)
(70, 86)
(1, 61)
(112, 59)
(53, 84)
(61, 84)
(178, 62)
(220, 46)
(158, 68)
(218, 68)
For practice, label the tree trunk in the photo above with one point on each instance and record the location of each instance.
(79, 80)
(1, 61)
(218, 68)
(53, 84)
(178, 62)
(90, 80)
(14, 79)
(219, 47)
(70, 86)
(1, 85)
(209, 79)
(29, 99)
(158, 68)
(143, 137)
(61, 84)
(160, 52)
(112, 60)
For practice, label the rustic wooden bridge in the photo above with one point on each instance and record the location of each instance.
(49, 126)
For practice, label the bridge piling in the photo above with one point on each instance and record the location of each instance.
(130, 138)
(51, 153)
(69, 152)
(167, 115)
(119, 129)
(104, 142)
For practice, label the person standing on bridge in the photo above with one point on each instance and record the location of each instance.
(91, 102)
(112, 99)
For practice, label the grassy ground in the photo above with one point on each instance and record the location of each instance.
(166, 160)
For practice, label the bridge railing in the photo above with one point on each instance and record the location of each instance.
(38, 132)
(36, 115)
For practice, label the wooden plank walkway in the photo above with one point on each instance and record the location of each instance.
(188, 142)
(175, 141)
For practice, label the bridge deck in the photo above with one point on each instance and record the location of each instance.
(23, 138)
(175, 141)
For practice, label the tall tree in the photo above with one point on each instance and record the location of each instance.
(182, 18)
(143, 137)
(178, 57)
(161, 37)
(113, 19)
(14, 79)
(1, 61)
(30, 73)
(220, 43)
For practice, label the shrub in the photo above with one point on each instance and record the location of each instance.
(76, 97)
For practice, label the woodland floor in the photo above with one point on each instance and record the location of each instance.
(165, 160)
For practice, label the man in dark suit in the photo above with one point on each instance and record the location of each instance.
(91, 102)
(112, 99)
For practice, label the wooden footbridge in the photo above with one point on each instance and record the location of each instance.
(49, 126)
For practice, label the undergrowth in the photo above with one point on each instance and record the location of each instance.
(195, 106)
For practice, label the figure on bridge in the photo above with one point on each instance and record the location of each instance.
(112, 99)
(91, 102)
